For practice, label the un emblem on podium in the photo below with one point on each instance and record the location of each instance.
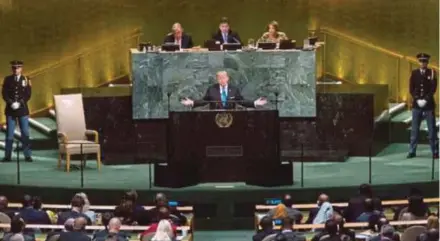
(224, 120)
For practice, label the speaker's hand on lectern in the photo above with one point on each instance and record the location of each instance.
(260, 102)
(187, 102)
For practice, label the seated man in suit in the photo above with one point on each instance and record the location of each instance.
(218, 95)
(31, 215)
(225, 35)
(78, 233)
(177, 36)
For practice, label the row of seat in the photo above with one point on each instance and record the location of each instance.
(342, 205)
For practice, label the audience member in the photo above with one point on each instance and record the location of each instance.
(330, 232)
(356, 205)
(86, 208)
(105, 220)
(31, 215)
(16, 233)
(164, 232)
(289, 211)
(125, 213)
(325, 210)
(416, 208)
(387, 232)
(432, 230)
(345, 233)
(68, 227)
(152, 215)
(369, 210)
(4, 207)
(114, 232)
(266, 229)
(287, 233)
(77, 204)
(78, 233)
(163, 214)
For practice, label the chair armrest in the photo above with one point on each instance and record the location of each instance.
(93, 133)
(62, 137)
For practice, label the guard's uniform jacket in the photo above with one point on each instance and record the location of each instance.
(16, 91)
(423, 86)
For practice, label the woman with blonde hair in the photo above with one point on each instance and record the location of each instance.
(164, 231)
(272, 34)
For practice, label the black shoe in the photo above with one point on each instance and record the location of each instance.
(435, 156)
(28, 159)
(411, 155)
(6, 159)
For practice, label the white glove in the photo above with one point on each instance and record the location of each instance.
(421, 103)
(260, 102)
(187, 102)
(15, 105)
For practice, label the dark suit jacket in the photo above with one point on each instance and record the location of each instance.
(262, 234)
(232, 37)
(186, 42)
(33, 216)
(356, 207)
(74, 236)
(423, 87)
(153, 216)
(19, 91)
(213, 98)
(312, 214)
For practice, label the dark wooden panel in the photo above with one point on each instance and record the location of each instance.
(344, 122)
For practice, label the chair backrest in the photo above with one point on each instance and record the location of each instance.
(5, 219)
(70, 116)
(411, 233)
(270, 237)
(55, 237)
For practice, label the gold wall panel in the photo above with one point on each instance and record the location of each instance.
(46, 31)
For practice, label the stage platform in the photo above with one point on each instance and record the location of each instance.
(219, 203)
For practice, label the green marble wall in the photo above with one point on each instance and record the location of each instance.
(291, 74)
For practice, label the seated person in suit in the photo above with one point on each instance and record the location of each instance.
(273, 35)
(218, 95)
(78, 233)
(287, 233)
(68, 227)
(31, 215)
(17, 231)
(113, 231)
(225, 34)
(4, 207)
(368, 211)
(290, 212)
(77, 204)
(266, 229)
(177, 36)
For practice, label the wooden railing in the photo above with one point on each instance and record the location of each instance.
(313, 205)
(96, 208)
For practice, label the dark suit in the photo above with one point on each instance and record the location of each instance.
(356, 206)
(213, 98)
(423, 87)
(186, 41)
(232, 37)
(62, 217)
(16, 91)
(74, 236)
(33, 216)
(262, 234)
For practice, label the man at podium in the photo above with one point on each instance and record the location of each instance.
(223, 96)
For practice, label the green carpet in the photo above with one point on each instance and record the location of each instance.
(388, 167)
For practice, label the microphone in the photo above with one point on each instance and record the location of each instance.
(236, 40)
(276, 100)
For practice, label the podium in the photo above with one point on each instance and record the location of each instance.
(223, 146)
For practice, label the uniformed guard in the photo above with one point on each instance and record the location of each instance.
(16, 92)
(422, 86)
